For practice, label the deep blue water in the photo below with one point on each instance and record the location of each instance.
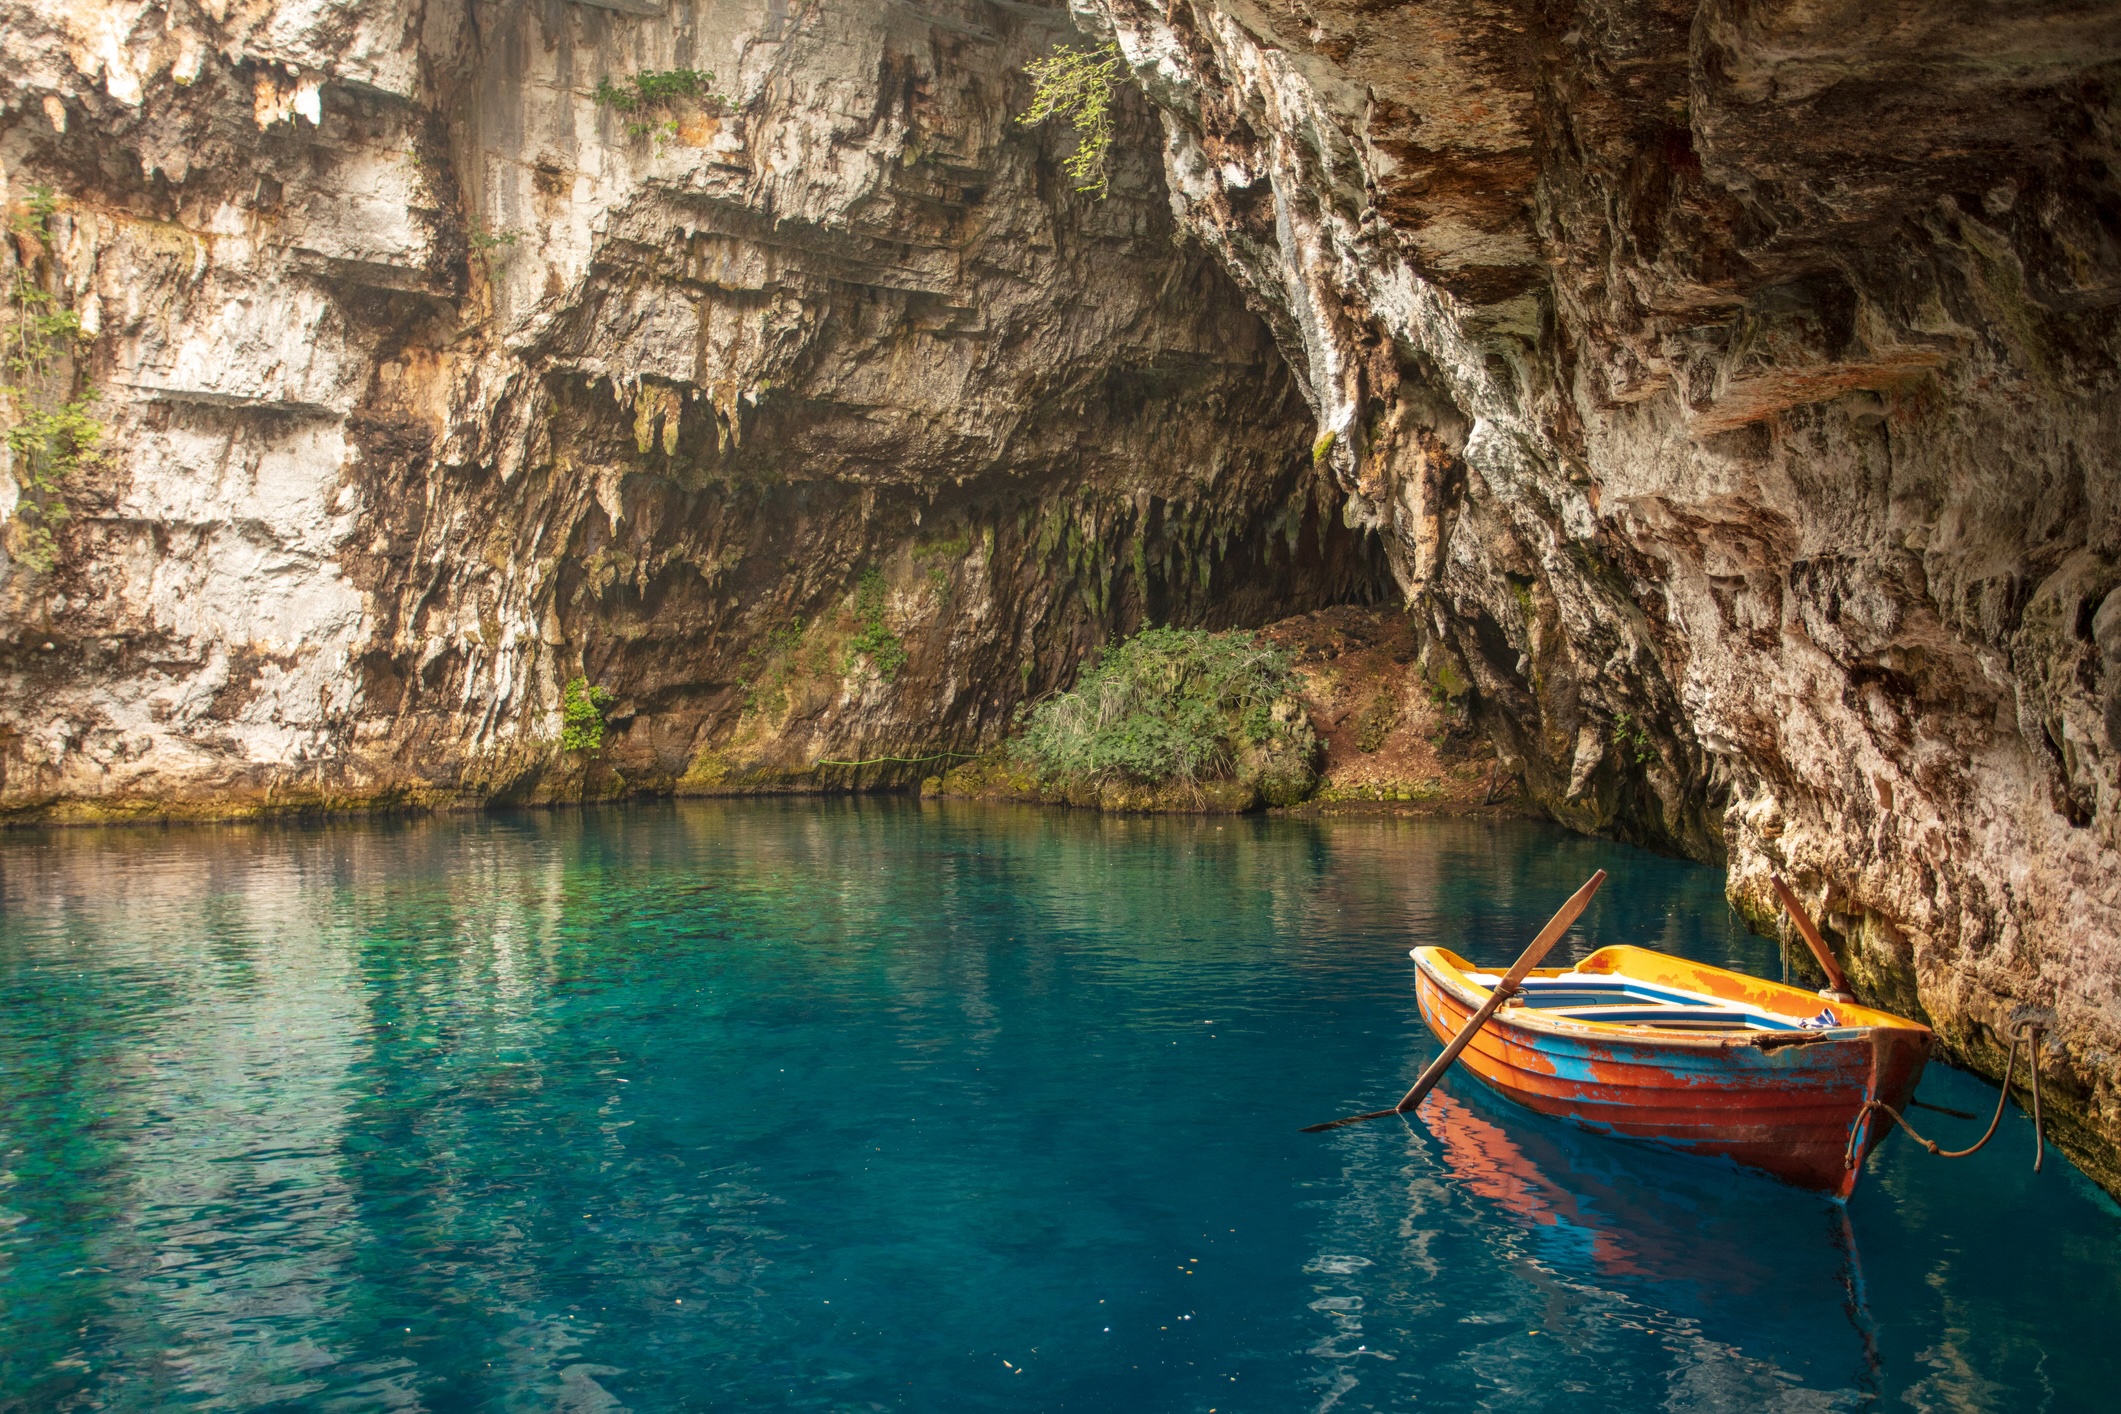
(877, 1105)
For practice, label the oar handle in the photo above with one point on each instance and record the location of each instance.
(1834, 978)
(1503, 990)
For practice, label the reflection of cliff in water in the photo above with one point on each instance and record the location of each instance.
(310, 1123)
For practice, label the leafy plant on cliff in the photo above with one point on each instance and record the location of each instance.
(582, 705)
(951, 548)
(1634, 738)
(1169, 704)
(1076, 86)
(883, 648)
(654, 87)
(491, 246)
(781, 651)
(649, 95)
(52, 431)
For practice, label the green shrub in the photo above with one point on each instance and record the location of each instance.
(46, 396)
(1076, 86)
(885, 652)
(653, 88)
(781, 655)
(1177, 705)
(655, 91)
(1634, 738)
(582, 705)
(490, 248)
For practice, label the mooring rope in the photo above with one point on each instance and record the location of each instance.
(905, 760)
(2033, 1028)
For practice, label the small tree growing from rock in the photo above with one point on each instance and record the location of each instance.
(1076, 86)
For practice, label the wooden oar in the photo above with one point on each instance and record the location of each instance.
(1504, 990)
(1837, 984)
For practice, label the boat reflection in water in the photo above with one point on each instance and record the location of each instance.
(1695, 1236)
(1531, 1255)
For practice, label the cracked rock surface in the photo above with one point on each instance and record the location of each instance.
(808, 414)
(1733, 387)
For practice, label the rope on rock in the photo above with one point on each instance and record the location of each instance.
(2025, 1028)
(2039, 1148)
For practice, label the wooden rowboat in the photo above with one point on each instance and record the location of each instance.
(1647, 1046)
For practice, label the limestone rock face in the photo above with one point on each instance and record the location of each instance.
(797, 404)
(1734, 385)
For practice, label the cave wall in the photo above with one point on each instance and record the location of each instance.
(1734, 386)
(815, 421)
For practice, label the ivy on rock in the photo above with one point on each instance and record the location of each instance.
(582, 705)
(47, 398)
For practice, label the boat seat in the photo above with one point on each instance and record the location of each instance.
(1696, 1018)
(1545, 997)
(1599, 997)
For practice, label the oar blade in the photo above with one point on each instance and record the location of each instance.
(1351, 1119)
(1560, 923)
(1809, 931)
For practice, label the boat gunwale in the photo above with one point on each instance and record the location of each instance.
(1452, 972)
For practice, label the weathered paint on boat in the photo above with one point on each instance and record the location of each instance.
(1787, 1102)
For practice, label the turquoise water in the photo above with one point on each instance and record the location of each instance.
(875, 1105)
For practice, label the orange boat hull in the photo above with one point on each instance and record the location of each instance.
(1788, 1103)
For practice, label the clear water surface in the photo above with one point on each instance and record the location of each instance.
(876, 1105)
